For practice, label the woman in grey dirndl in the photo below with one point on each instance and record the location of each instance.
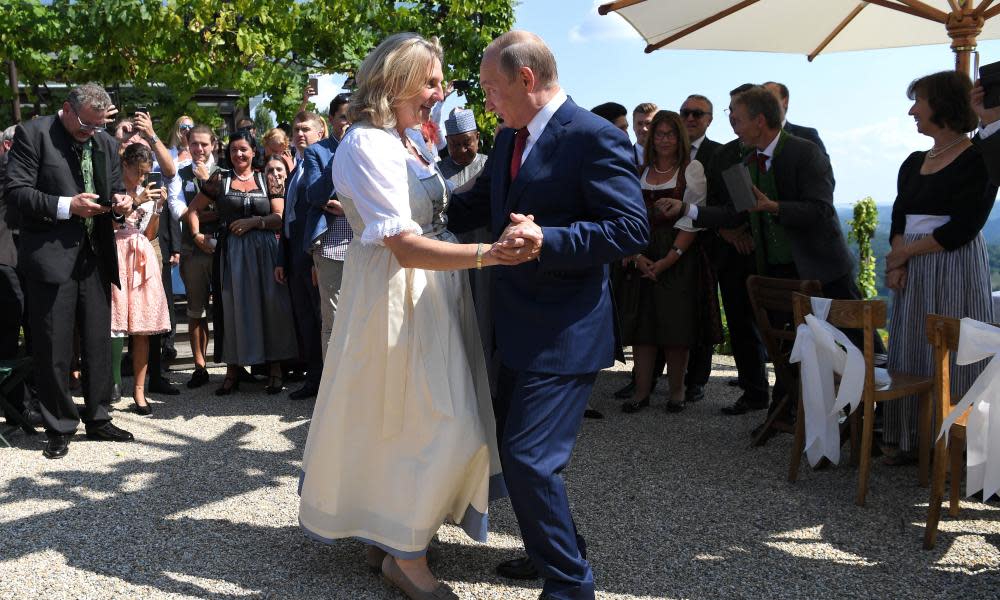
(938, 262)
(257, 325)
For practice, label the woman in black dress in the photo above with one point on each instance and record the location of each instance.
(938, 262)
(256, 319)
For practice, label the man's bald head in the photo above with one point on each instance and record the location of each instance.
(515, 50)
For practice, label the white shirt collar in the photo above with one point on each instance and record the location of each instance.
(537, 123)
(769, 150)
(697, 143)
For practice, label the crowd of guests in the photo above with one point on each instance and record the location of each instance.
(96, 211)
(261, 237)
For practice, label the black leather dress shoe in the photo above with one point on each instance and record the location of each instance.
(744, 405)
(518, 568)
(635, 406)
(159, 385)
(245, 376)
(198, 378)
(57, 446)
(307, 391)
(626, 392)
(108, 432)
(694, 393)
(592, 413)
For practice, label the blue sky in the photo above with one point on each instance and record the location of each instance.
(857, 100)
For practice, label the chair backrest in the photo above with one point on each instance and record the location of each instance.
(866, 315)
(942, 335)
(770, 296)
(771, 301)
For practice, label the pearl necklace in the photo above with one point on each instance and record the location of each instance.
(935, 151)
(667, 172)
(243, 177)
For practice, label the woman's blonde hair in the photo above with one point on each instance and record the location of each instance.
(396, 70)
(275, 136)
(176, 141)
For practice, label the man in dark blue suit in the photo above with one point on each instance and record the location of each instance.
(572, 172)
(327, 230)
(295, 262)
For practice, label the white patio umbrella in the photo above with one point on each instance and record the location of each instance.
(810, 26)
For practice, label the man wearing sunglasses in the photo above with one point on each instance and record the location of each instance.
(696, 112)
(65, 179)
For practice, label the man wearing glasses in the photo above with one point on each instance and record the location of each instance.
(696, 112)
(65, 179)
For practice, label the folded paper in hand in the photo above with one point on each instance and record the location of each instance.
(739, 186)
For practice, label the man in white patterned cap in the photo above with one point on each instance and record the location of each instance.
(461, 168)
(464, 163)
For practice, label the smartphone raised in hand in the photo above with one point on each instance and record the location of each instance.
(154, 178)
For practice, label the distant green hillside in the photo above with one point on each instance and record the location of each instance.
(991, 232)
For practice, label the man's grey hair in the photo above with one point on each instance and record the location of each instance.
(8, 134)
(89, 95)
(704, 99)
(517, 49)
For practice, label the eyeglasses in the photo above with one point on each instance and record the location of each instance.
(185, 127)
(697, 114)
(86, 127)
(665, 135)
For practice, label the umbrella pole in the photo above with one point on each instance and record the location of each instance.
(964, 27)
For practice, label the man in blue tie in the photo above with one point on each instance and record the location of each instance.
(295, 262)
(572, 172)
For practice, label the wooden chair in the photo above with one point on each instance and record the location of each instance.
(868, 316)
(943, 334)
(771, 301)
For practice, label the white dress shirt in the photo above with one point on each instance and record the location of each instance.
(537, 123)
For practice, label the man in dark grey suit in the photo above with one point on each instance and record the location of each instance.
(65, 179)
(986, 140)
(795, 229)
(780, 91)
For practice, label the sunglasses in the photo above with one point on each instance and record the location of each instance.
(685, 112)
(185, 127)
(86, 127)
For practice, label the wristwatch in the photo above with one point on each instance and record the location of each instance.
(677, 250)
(153, 139)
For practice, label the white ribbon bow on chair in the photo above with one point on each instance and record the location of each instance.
(823, 351)
(978, 341)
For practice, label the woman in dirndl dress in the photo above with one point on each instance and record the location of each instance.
(666, 295)
(938, 262)
(139, 306)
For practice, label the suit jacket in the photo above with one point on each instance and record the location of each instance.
(44, 166)
(804, 182)
(706, 151)
(806, 133)
(291, 249)
(990, 149)
(555, 315)
(318, 179)
(8, 220)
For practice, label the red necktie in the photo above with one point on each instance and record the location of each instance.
(761, 163)
(520, 139)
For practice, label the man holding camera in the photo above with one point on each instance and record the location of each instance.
(64, 177)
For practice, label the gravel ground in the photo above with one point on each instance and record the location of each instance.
(673, 506)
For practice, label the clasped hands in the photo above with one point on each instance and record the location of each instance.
(649, 268)
(896, 263)
(520, 242)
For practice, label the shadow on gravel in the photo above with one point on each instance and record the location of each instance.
(671, 506)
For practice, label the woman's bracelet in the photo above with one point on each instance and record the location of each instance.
(479, 256)
(261, 221)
